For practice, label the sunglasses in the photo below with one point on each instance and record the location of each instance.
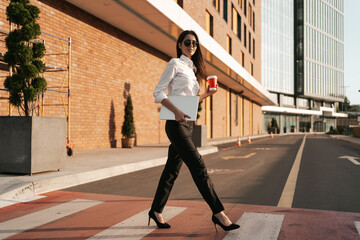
(188, 42)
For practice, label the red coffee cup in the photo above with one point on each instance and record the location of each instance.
(212, 80)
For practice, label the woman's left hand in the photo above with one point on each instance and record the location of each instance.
(211, 92)
(208, 93)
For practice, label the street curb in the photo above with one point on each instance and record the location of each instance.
(344, 140)
(34, 188)
(244, 138)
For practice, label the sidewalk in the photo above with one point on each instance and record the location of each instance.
(87, 166)
(349, 139)
(97, 164)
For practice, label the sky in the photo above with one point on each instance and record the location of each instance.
(352, 50)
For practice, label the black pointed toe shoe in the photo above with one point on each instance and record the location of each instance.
(159, 224)
(225, 228)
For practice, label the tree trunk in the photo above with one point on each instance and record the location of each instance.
(26, 108)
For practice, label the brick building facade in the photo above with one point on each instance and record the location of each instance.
(108, 62)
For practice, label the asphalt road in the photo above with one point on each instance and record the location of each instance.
(276, 188)
(256, 174)
(325, 180)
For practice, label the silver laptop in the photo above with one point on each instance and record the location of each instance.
(186, 104)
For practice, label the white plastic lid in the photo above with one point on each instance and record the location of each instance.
(211, 77)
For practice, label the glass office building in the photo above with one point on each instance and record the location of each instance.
(319, 39)
(303, 63)
(277, 35)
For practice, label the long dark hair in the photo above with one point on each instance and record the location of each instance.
(196, 58)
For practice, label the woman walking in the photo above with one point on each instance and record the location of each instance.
(180, 78)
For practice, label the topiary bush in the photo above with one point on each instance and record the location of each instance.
(24, 56)
(128, 127)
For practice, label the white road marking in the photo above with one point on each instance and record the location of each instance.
(222, 171)
(357, 225)
(287, 195)
(136, 227)
(42, 217)
(8, 202)
(351, 159)
(238, 157)
(257, 226)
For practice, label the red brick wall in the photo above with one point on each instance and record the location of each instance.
(246, 117)
(235, 128)
(258, 120)
(106, 62)
(197, 9)
(219, 113)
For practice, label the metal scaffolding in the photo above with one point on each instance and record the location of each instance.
(63, 88)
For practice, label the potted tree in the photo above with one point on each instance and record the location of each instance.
(32, 144)
(274, 126)
(128, 127)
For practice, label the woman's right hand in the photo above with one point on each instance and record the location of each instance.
(181, 117)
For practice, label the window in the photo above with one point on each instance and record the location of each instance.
(254, 48)
(234, 22)
(253, 21)
(209, 24)
(240, 3)
(228, 44)
(180, 3)
(245, 7)
(244, 35)
(239, 26)
(242, 59)
(250, 15)
(216, 4)
(251, 69)
(249, 42)
(225, 10)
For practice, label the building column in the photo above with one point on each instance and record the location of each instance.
(297, 129)
(281, 123)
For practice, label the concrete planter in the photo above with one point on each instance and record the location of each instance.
(356, 132)
(199, 136)
(32, 144)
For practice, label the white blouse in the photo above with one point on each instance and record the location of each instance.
(179, 78)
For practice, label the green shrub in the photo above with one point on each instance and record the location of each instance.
(23, 56)
(128, 127)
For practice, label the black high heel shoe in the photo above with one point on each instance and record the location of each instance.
(225, 228)
(159, 224)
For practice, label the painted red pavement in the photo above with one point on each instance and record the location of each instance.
(194, 222)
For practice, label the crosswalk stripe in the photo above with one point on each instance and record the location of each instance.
(42, 217)
(135, 227)
(8, 202)
(257, 226)
(357, 225)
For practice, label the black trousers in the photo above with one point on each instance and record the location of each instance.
(182, 149)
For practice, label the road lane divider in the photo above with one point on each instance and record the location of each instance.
(135, 227)
(33, 220)
(257, 226)
(287, 195)
(238, 157)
